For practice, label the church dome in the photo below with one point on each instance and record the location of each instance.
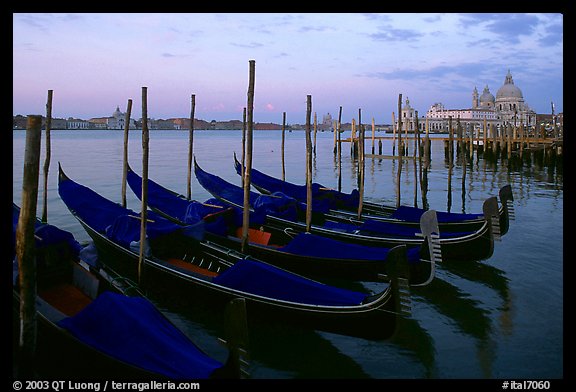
(486, 96)
(508, 89)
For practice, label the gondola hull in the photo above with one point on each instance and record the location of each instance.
(346, 207)
(79, 305)
(469, 246)
(374, 318)
(364, 265)
(374, 321)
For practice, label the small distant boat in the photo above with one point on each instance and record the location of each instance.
(179, 256)
(287, 213)
(94, 323)
(304, 253)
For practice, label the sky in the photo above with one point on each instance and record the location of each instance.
(360, 62)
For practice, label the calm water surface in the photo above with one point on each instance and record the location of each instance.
(500, 318)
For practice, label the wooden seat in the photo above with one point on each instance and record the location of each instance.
(192, 267)
(255, 236)
(66, 297)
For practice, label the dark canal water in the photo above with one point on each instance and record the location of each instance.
(500, 318)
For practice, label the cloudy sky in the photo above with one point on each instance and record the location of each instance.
(96, 62)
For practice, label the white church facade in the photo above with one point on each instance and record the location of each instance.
(507, 108)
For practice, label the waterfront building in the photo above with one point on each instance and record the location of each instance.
(117, 120)
(76, 123)
(408, 117)
(326, 122)
(507, 108)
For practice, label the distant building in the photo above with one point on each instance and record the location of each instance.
(327, 122)
(118, 120)
(507, 108)
(407, 117)
(76, 123)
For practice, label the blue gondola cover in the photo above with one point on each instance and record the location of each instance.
(133, 330)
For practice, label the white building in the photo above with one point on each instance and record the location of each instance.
(408, 117)
(507, 108)
(117, 121)
(75, 123)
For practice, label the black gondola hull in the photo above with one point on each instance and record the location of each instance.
(377, 321)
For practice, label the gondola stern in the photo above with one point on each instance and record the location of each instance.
(431, 233)
(398, 272)
(237, 340)
(492, 216)
(507, 199)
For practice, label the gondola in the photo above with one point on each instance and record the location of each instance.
(92, 323)
(343, 207)
(305, 253)
(179, 256)
(285, 213)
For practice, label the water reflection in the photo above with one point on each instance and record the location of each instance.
(491, 307)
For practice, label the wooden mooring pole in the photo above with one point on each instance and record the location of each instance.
(308, 165)
(243, 145)
(26, 249)
(248, 168)
(362, 170)
(144, 196)
(340, 150)
(191, 145)
(282, 148)
(47, 159)
(357, 147)
(125, 151)
(400, 154)
(315, 131)
(416, 149)
(393, 135)
(373, 134)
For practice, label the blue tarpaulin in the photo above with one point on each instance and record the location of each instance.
(134, 331)
(268, 281)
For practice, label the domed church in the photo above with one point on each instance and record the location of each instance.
(508, 107)
(510, 103)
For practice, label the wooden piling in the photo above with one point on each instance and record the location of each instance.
(471, 142)
(47, 159)
(393, 134)
(308, 165)
(125, 151)
(373, 134)
(144, 196)
(463, 158)
(334, 127)
(450, 141)
(416, 149)
(362, 169)
(353, 149)
(26, 249)
(357, 147)
(522, 140)
(427, 146)
(484, 135)
(191, 145)
(509, 140)
(405, 143)
(282, 148)
(494, 133)
(426, 165)
(248, 168)
(243, 146)
(315, 130)
(399, 174)
(339, 150)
